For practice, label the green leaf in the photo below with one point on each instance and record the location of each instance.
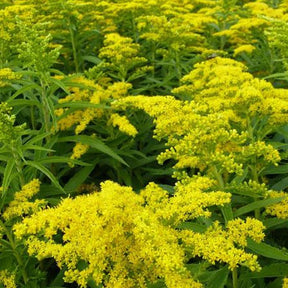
(5, 158)
(159, 171)
(79, 178)
(159, 284)
(59, 159)
(92, 59)
(192, 226)
(218, 279)
(7, 176)
(94, 143)
(46, 172)
(281, 185)
(276, 283)
(281, 75)
(256, 205)
(267, 250)
(273, 270)
(59, 84)
(269, 223)
(23, 102)
(36, 147)
(240, 178)
(81, 105)
(38, 137)
(170, 189)
(227, 212)
(281, 169)
(142, 162)
(25, 88)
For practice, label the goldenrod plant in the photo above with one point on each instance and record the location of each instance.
(143, 143)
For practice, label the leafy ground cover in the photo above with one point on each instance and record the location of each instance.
(144, 143)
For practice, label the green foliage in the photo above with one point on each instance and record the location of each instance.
(83, 90)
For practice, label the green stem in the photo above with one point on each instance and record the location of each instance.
(227, 208)
(32, 118)
(235, 278)
(45, 109)
(255, 178)
(218, 177)
(177, 62)
(18, 165)
(74, 49)
(253, 168)
(16, 254)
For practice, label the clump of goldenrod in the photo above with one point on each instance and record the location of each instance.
(134, 235)
(130, 246)
(21, 205)
(217, 244)
(7, 279)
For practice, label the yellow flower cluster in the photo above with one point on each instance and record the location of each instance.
(190, 201)
(202, 135)
(173, 26)
(218, 245)
(21, 205)
(280, 209)
(261, 149)
(223, 84)
(212, 130)
(121, 58)
(248, 48)
(87, 90)
(240, 30)
(6, 76)
(123, 123)
(78, 150)
(131, 244)
(118, 49)
(7, 279)
(285, 283)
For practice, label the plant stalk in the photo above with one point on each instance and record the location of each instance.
(16, 254)
(235, 278)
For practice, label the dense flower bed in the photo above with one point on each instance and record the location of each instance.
(144, 143)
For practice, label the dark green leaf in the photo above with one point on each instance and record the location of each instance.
(269, 223)
(81, 105)
(281, 169)
(281, 185)
(94, 143)
(256, 205)
(79, 178)
(7, 176)
(46, 172)
(218, 279)
(59, 159)
(192, 226)
(273, 270)
(267, 250)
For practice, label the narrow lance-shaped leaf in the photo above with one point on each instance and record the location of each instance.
(267, 250)
(256, 205)
(94, 143)
(46, 172)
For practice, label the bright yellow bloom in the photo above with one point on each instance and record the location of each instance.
(130, 241)
(7, 76)
(89, 92)
(123, 123)
(244, 48)
(7, 279)
(280, 209)
(21, 205)
(218, 245)
(78, 150)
